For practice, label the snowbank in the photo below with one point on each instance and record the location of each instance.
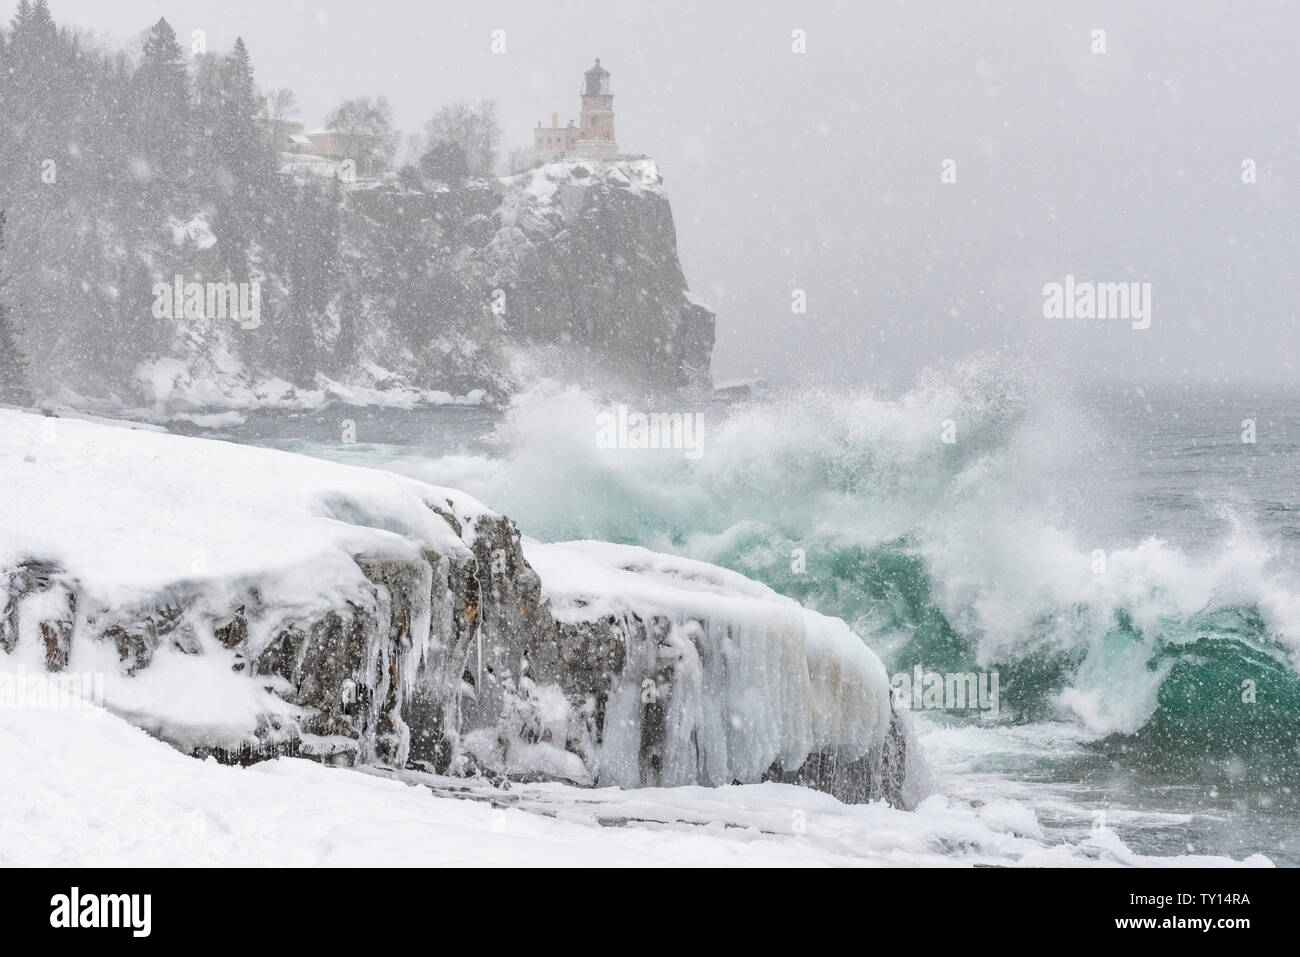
(99, 793)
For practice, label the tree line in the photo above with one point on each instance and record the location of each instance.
(113, 162)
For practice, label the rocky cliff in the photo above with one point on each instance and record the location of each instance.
(586, 255)
(403, 291)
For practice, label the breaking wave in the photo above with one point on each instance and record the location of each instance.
(989, 551)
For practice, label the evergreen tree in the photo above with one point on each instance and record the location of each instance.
(238, 161)
(445, 161)
(13, 365)
(109, 173)
(162, 111)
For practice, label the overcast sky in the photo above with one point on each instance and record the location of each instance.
(821, 171)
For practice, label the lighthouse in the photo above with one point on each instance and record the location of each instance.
(593, 136)
(597, 116)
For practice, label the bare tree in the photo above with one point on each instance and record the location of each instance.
(411, 147)
(363, 128)
(471, 126)
(281, 105)
(520, 160)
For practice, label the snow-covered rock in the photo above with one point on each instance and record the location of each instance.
(715, 677)
(244, 603)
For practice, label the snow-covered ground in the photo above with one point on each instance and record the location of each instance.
(173, 389)
(93, 790)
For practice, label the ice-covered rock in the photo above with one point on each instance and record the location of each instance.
(246, 603)
(697, 674)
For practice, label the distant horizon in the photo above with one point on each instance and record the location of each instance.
(902, 382)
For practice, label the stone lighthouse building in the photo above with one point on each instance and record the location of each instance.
(593, 136)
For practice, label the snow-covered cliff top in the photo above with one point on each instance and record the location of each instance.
(129, 511)
(540, 184)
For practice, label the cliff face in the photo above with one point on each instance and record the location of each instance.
(352, 616)
(586, 254)
(403, 291)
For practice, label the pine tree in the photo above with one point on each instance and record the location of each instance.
(34, 57)
(33, 21)
(238, 162)
(13, 365)
(162, 70)
(162, 107)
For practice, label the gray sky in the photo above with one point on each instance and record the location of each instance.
(821, 170)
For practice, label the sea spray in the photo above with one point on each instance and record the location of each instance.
(976, 555)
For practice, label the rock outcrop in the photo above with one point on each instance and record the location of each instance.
(586, 254)
(456, 663)
(434, 639)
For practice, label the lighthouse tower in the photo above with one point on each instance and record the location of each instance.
(596, 136)
(593, 137)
